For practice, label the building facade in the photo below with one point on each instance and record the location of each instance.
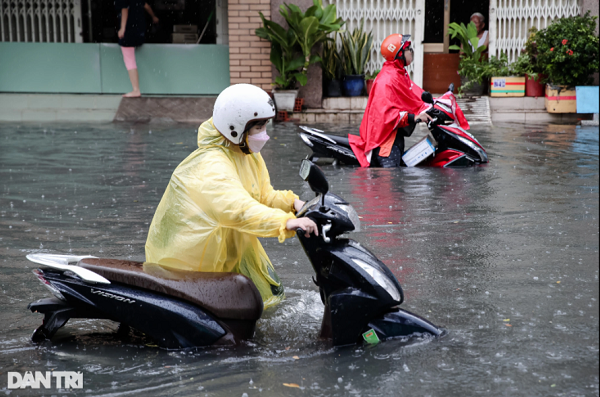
(69, 45)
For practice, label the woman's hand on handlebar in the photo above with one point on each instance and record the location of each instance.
(306, 224)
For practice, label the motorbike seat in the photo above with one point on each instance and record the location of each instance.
(340, 140)
(226, 295)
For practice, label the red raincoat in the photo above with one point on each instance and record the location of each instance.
(393, 96)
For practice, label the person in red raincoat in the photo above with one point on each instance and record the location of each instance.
(393, 109)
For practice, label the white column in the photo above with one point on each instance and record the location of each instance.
(493, 24)
(418, 42)
(77, 21)
(222, 25)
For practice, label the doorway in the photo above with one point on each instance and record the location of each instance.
(440, 64)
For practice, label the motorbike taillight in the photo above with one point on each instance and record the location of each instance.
(40, 275)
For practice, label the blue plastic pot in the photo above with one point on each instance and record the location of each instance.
(353, 84)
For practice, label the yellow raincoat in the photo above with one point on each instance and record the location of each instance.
(218, 202)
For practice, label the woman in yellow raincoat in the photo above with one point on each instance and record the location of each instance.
(220, 199)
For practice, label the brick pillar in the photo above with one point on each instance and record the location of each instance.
(248, 55)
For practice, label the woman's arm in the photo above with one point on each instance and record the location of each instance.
(124, 15)
(149, 11)
(283, 199)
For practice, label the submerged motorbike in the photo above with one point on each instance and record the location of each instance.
(182, 309)
(451, 145)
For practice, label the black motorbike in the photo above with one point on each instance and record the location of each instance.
(182, 309)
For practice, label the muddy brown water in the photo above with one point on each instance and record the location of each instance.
(504, 256)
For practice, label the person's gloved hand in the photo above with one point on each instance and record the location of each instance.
(306, 224)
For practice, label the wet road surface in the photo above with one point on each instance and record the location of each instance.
(504, 256)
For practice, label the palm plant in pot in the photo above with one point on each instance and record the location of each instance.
(331, 64)
(357, 52)
(472, 61)
(292, 48)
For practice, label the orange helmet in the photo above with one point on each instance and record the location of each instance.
(393, 45)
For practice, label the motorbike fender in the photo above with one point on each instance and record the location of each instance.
(171, 322)
(402, 323)
(350, 310)
(446, 158)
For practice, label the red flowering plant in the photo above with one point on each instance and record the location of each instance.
(568, 50)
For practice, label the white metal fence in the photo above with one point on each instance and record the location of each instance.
(41, 21)
(384, 17)
(510, 21)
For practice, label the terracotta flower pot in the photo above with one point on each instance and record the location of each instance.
(369, 84)
(534, 88)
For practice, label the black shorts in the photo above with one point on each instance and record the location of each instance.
(395, 157)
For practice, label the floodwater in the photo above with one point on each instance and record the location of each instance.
(504, 256)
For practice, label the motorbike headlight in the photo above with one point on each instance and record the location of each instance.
(352, 215)
(380, 278)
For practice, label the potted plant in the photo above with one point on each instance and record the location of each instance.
(357, 52)
(370, 79)
(286, 59)
(528, 64)
(291, 49)
(331, 64)
(472, 62)
(568, 54)
(505, 80)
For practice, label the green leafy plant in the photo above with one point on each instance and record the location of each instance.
(472, 66)
(524, 66)
(530, 55)
(284, 53)
(331, 61)
(371, 76)
(476, 71)
(467, 35)
(498, 67)
(291, 49)
(357, 50)
(568, 50)
(311, 27)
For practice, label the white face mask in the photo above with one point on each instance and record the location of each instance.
(257, 141)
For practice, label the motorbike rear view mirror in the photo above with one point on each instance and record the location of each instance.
(312, 174)
(427, 97)
(451, 87)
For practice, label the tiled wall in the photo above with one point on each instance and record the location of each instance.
(248, 55)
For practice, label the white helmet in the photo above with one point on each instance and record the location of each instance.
(236, 106)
